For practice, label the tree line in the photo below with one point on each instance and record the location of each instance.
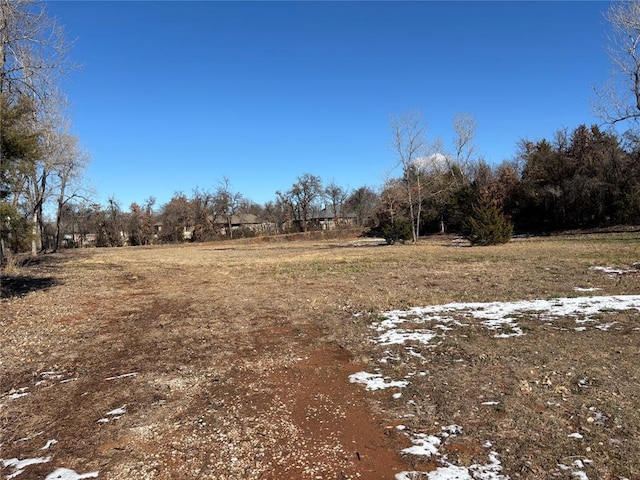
(582, 178)
(40, 159)
(222, 213)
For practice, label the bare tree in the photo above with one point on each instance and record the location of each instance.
(32, 56)
(464, 126)
(68, 169)
(409, 144)
(227, 203)
(176, 217)
(391, 198)
(619, 100)
(56, 172)
(203, 204)
(336, 196)
(140, 227)
(363, 202)
(32, 52)
(303, 194)
(33, 48)
(281, 212)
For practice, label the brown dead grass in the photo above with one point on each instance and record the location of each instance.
(231, 342)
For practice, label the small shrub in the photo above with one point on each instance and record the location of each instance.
(397, 231)
(487, 225)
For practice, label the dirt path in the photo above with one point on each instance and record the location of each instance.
(143, 379)
(335, 421)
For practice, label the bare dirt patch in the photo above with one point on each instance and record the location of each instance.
(232, 361)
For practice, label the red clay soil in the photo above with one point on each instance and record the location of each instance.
(211, 398)
(330, 411)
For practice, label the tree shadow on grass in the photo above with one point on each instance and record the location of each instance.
(18, 285)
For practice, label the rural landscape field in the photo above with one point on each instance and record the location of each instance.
(325, 359)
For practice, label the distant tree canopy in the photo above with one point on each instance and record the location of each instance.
(583, 179)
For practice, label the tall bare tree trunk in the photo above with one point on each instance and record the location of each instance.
(409, 143)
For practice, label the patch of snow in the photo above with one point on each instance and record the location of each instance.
(499, 316)
(48, 444)
(605, 326)
(579, 474)
(15, 396)
(423, 445)
(374, 381)
(124, 375)
(413, 353)
(441, 473)
(421, 325)
(400, 337)
(490, 471)
(20, 465)
(452, 430)
(67, 474)
(588, 289)
(576, 469)
(118, 411)
(113, 414)
(396, 396)
(613, 271)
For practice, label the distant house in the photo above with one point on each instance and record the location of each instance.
(71, 240)
(327, 219)
(242, 221)
(187, 232)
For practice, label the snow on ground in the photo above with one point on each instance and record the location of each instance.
(113, 414)
(612, 272)
(20, 465)
(500, 317)
(489, 471)
(124, 375)
(423, 445)
(374, 381)
(49, 444)
(427, 446)
(67, 474)
(47, 379)
(421, 325)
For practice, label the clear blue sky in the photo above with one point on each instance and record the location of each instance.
(175, 95)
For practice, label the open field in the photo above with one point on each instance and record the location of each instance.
(249, 360)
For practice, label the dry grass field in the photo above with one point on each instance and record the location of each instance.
(240, 360)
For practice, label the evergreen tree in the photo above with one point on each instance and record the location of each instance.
(487, 225)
